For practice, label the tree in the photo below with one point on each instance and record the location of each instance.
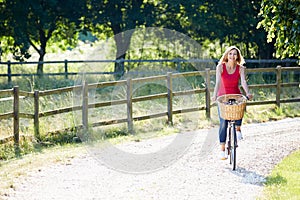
(121, 17)
(281, 20)
(232, 22)
(38, 22)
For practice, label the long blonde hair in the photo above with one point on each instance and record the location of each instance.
(240, 59)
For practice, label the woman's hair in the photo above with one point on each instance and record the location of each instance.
(240, 60)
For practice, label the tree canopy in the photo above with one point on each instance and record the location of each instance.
(36, 22)
(40, 23)
(121, 18)
(281, 20)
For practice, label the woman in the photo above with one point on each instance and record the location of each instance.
(229, 72)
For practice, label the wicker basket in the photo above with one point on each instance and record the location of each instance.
(232, 111)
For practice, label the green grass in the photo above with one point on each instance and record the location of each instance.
(28, 145)
(284, 181)
(264, 113)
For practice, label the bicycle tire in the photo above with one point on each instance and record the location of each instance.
(229, 145)
(234, 146)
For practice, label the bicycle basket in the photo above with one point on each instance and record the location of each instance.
(232, 106)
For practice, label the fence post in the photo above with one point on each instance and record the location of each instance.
(8, 72)
(207, 92)
(36, 116)
(129, 106)
(170, 98)
(278, 83)
(85, 105)
(16, 116)
(66, 69)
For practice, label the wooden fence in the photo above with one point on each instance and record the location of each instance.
(15, 93)
(66, 65)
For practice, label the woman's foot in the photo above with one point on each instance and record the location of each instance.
(239, 135)
(223, 155)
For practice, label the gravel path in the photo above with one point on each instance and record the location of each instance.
(196, 174)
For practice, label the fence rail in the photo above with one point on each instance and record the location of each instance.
(15, 94)
(66, 65)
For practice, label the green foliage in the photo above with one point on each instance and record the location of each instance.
(283, 182)
(149, 89)
(281, 20)
(275, 180)
(112, 133)
(116, 132)
(9, 150)
(45, 24)
(6, 152)
(47, 83)
(263, 113)
(226, 23)
(35, 23)
(58, 138)
(43, 83)
(121, 17)
(223, 23)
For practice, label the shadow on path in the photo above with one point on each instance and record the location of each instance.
(249, 177)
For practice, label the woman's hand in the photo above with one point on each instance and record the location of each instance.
(214, 98)
(249, 96)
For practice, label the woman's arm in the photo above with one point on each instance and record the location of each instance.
(244, 82)
(218, 80)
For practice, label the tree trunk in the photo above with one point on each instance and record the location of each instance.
(122, 40)
(42, 52)
(40, 67)
(266, 51)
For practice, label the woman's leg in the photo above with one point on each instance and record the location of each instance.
(223, 133)
(238, 124)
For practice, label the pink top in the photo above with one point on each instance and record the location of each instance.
(229, 82)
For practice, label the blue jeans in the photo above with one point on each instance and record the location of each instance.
(223, 128)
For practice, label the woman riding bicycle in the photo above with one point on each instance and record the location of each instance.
(229, 72)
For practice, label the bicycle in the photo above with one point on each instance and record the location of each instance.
(232, 107)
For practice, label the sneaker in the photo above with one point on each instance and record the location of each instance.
(223, 155)
(239, 135)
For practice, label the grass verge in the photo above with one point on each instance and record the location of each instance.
(283, 182)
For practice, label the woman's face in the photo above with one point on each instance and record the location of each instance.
(232, 55)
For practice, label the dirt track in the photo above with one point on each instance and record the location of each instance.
(196, 174)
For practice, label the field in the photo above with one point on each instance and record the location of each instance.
(146, 128)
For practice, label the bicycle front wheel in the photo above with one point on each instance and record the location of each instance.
(233, 147)
(230, 144)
